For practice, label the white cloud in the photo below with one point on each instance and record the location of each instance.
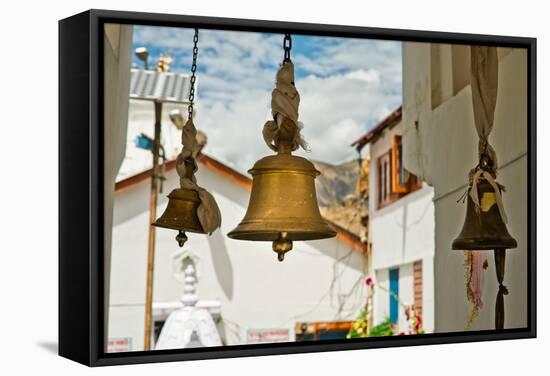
(370, 76)
(335, 111)
(346, 86)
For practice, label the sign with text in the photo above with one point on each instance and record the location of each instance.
(119, 345)
(267, 335)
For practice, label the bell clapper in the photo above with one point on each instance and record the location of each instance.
(500, 258)
(282, 245)
(181, 238)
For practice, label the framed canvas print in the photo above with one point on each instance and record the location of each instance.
(235, 187)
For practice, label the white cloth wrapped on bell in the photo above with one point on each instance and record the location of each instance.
(285, 101)
(208, 211)
(477, 176)
(484, 77)
(189, 139)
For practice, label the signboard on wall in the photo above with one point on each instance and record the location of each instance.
(267, 335)
(119, 345)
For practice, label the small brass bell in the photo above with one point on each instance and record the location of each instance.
(181, 214)
(485, 224)
(190, 207)
(484, 229)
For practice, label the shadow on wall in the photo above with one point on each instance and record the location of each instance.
(334, 248)
(222, 263)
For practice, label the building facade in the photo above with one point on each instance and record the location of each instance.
(440, 146)
(401, 228)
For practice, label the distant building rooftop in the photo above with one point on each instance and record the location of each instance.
(372, 135)
(346, 233)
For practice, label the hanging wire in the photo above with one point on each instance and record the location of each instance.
(287, 45)
(193, 70)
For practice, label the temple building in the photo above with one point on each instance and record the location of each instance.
(315, 293)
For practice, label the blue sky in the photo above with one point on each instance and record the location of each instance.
(346, 86)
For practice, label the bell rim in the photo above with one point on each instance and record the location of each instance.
(177, 228)
(323, 232)
(273, 236)
(483, 245)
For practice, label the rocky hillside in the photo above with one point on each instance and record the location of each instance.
(335, 182)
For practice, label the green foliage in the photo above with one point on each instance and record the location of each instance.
(382, 329)
(359, 328)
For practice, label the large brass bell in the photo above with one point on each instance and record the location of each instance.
(484, 228)
(283, 204)
(181, 214)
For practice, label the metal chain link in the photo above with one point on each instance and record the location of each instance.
(193, 70)
(287, 45)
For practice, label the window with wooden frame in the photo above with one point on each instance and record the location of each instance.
(403, 181)
(384, 179)
(394, 181)
(414, 183)
(400, 176)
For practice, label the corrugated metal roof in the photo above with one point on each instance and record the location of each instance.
(161, 86)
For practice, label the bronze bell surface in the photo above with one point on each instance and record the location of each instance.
(484, 229)
(283, 204)
(181, 213)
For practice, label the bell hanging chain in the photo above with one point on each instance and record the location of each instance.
(287, 46)
(193, 70)
(181, 238)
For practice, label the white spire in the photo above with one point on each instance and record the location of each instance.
(189, 326)
(189, 297)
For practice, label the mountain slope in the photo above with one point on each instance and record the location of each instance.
(335, 182)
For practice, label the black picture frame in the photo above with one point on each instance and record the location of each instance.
(81, 185)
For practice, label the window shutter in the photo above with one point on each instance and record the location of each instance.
(399, 180)
(417, 278)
